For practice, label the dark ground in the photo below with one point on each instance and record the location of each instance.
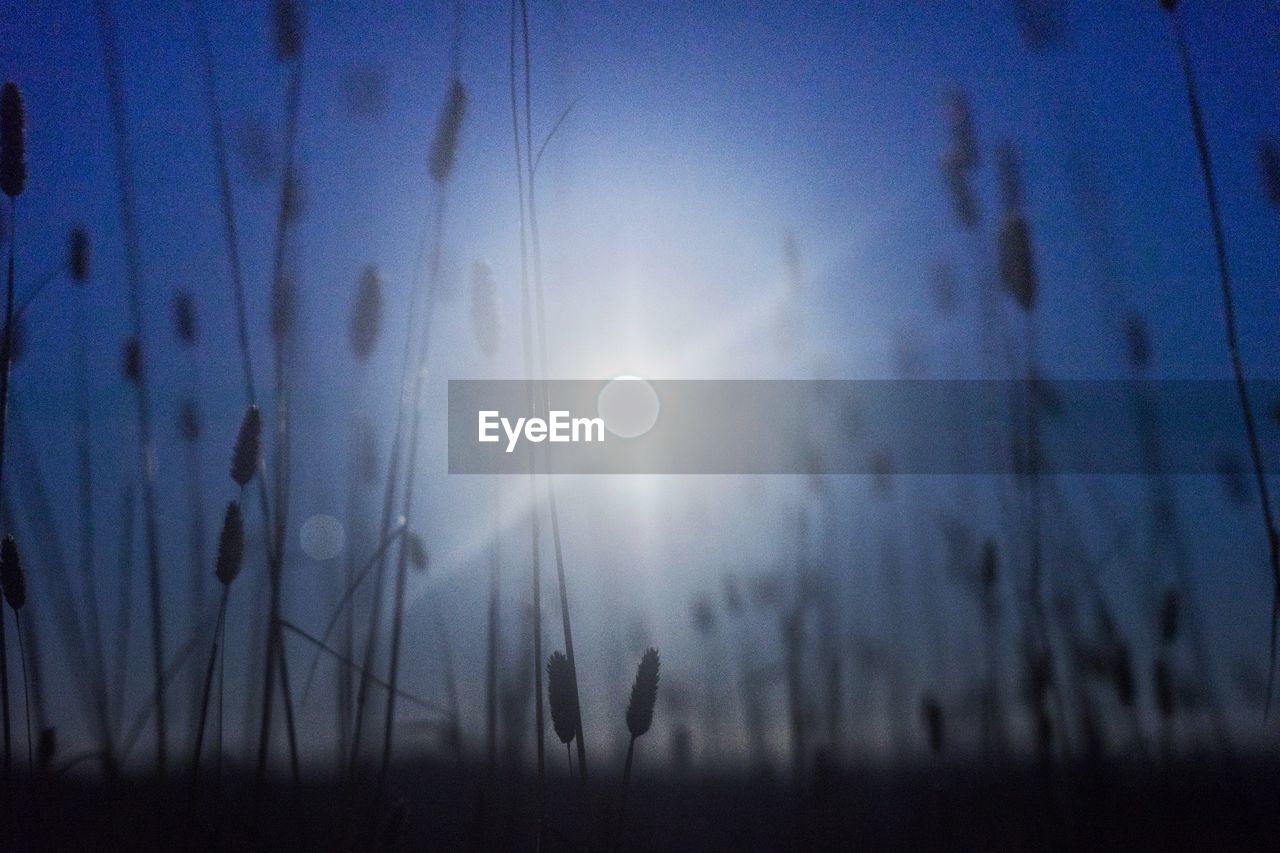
(1164, 806)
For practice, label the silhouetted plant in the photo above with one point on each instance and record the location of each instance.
(1229, 315)
(13, 178)
(644, 693)
(366, 314)
(563, 700)
(245, 457)
(226, 569)
(184, 318)
(14, 585)
(443, 151)
(78, 255)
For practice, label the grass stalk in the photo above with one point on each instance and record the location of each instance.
(196, 535)
(388, 504)
(227, 200)
(13, 175)
(4, 699)
(1233, 345)
(84, 477)
(120, 680)
(419, 379)
(536, 246)
(493, 634)
(342, 607)
(54, 569)
(6, 345)
(275, 652)
(526, 323)
(644, 694)
(13, 581)
(207, 692)
(146, 449)
(26, 686)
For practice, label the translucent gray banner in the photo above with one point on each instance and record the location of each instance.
(629, 426)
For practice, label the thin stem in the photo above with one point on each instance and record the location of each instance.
(124, 169)
(626, 787)
(21, 306)
(527, 339)
(347, 596)
(26, 690)
(402, 561)
(121, 679)
(535, 242)
(206, 693)
(93, 691)
(1233, 346)
(179, 660)
(4, 698)
(275, 653)
(350, 664)
(5, 356)
(224, 192)
(6, 347)
(388, 500)
(197, 539)
(491, 663)
(84, 452)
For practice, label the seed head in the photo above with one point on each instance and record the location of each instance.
(964, 140)
(283, 307)
(704, 615)
(1169, 616)
(189, 420)
(644, 693)
(78, 255)
(1139, 344)
(184, 318)
(990, 566)
(882, 473)
(287, 28)
(562, 697)
(132, 363)
(1269, 170)
(48, 746)
(793, 262)
(1042, 22)
(1122, 675)
(230, 545)
(295, 198)
(244, 458)
(1162, 682)
(934, 722)
(13, 580)
(366, 452)
(1017, 263)
(445, 144)
(13, 141)
(366, 314)
(485, 322)
(417, 552)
